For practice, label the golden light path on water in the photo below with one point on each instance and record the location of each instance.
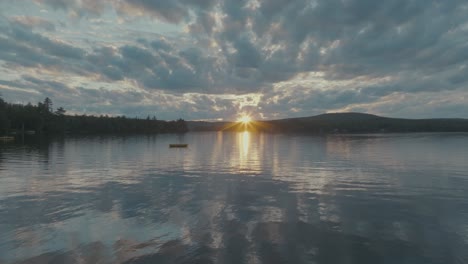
(128, 199)
(244, 144)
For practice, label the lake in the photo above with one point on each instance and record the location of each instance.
(236, 198)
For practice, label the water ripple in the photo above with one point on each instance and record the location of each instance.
(235, 198)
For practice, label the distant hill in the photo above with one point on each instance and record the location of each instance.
(335, 117)
(342, 123)
(206, 126)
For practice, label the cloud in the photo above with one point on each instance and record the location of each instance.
(77, 7)
(169, 11)
(22, 46)
(446, 104)
(162, 65)
(239, 47)
(33, 22)
(301, 101)
(277, 40)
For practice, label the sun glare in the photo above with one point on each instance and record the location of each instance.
(244, 119)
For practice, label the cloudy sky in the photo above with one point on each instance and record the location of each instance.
(215, 59)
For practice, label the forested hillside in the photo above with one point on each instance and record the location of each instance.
(340, 123)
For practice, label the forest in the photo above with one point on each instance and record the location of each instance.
(42, 118)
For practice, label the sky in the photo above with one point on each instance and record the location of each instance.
(219, 59)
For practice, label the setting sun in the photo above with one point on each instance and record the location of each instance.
(244, 119)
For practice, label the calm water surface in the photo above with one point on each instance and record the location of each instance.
(236, 198)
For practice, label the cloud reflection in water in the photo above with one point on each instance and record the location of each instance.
(310, 199)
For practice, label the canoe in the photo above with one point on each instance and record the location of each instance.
(178, 145)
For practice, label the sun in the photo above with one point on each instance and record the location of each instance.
(245, 119)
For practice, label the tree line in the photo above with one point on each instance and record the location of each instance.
(363, 123)
(42, 118)
(339, 123)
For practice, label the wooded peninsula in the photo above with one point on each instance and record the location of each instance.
(42, 118)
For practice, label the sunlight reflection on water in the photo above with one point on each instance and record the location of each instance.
(235, 198)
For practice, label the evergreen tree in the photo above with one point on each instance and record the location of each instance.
(48, 105)
(42, 119)
(4, 122)
(60, 111)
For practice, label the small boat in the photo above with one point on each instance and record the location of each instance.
(7, 138)
(178, 145)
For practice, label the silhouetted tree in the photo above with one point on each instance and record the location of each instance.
(4, 122)
(48, 105)
(60, 111)
(42, 119)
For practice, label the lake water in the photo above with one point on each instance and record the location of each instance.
(236, 198)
